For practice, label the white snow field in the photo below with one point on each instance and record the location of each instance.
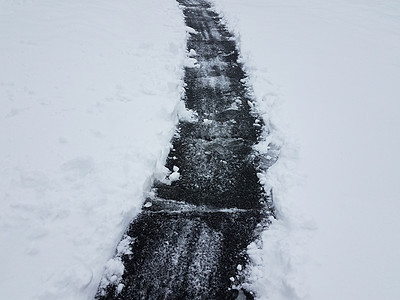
(89, 92)
(334, 69)
(90, 95)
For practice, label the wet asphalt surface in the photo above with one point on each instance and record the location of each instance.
(189, 241)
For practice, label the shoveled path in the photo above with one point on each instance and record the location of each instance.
(190, 240)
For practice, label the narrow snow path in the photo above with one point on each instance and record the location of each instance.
(190, 240)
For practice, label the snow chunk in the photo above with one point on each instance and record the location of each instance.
(124, 246)
(192, 53)
(191, 30)
(207, 122)
(148, 204)
(120, 287)
(185, 114)
(234, 106)
(191, 62)
(112, 274)
(115, 268)
(175, 175)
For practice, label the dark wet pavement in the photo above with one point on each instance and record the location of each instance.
(190, 240)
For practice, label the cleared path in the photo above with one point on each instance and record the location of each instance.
(190, 240)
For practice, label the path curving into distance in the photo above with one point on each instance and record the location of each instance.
(189, 241)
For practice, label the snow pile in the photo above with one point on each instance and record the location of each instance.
(115, 268)
(90, 95)
(333, 66)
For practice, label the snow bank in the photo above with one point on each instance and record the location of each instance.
(333, 68)
(90, 93)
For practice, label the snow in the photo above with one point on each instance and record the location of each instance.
(90, 96)
(207, 121)
(192, 53)
(147, 204)
(191, 62)
(191, 30)
(114, 268)
(175, 175)
(326, 73)
(113, 273)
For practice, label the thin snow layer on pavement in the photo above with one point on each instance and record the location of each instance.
(331, 70)
(90, 93)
